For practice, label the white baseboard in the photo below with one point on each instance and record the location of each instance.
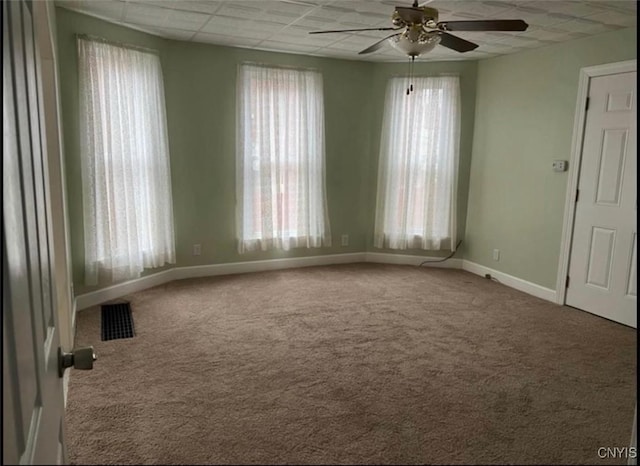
(511, 281)
(404, 259)
(264, 265)
(94, 298)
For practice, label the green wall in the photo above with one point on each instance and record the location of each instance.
(517, 117)
(524, 120)
(200, 88)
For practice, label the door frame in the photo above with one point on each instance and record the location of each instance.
(586, 74)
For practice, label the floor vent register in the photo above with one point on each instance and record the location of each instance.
(117, 321)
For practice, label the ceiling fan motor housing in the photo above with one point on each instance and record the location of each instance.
(429, 15)
(415, 16)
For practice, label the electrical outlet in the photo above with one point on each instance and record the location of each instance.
(197, 249)
(496, 254)
(345, 240)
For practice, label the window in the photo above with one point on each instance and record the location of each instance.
(280, 160)
(128, 214)
(418, 164)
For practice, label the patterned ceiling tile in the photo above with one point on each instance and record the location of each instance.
(350, 46)
(289, 9)
(538, 17)
(313, 40)
(361, 41)
(369, 6)
(222, 22)
(480, 55)
(335, 11)
(279, 45)
(284, 25)
(241, 9)
(576, 9)
(486, 9)
(207, 7)
(264, 25)
(315, 19)
(615, 18)
(222, 39)
(587, 26)
(108, 8)
(142, 14)
(171, 33)
(231, 32)
(549, 34)
(186, 20)
(299, 29)
(500, 49)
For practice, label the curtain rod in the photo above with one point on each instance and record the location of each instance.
(118, 44)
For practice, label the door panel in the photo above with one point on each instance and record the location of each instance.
(32, 390)
(602, 266)
(601, 253)
(614, 147)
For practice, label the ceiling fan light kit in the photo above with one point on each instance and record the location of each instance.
(422, 32)
(414, 43)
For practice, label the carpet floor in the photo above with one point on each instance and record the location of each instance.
(352, 364)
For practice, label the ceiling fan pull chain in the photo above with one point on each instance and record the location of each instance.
(413, 58)
(410, 87)
(409, 81)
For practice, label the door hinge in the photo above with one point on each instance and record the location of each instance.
(586, 105)
(566, 285)
(577, 195)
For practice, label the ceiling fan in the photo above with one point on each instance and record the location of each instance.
(420, 31)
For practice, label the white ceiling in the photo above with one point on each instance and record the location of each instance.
(284, 25)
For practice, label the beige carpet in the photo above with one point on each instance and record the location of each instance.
(361, 363)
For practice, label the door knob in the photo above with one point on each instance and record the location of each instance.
(79, 358)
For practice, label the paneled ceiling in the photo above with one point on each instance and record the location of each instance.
(284, 25)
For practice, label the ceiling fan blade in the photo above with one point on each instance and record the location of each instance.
(484, 25)
(456, 43)
(409, 14)
(355, 30)
(377, 45)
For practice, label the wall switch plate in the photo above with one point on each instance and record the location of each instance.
(197, 249)
(496, 254)
(560, 165)
(344, 241)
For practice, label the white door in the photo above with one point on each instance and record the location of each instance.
(602, 267)
(32, 396)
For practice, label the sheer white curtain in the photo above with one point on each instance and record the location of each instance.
(417, 172)
(281, 198)
(128, 213)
